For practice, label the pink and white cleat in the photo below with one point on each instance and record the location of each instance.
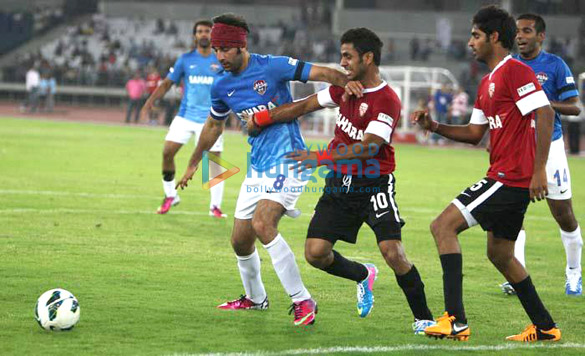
(305, 312)
(167, 203)
(244, 303)
(217, 213)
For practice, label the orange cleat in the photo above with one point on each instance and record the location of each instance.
(447, 327)
(532, 334)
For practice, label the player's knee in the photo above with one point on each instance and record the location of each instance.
(436, 227)
(315, 256)
(394, 255)
(565, 218)
(499, 259)
(168, 155)
(242, 248)
(264, 229)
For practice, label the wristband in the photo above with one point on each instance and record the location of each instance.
(263, 118)
(325, 155)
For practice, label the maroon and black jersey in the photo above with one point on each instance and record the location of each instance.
(506, 100)
(377, 112)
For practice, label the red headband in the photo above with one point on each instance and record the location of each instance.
(223, 35)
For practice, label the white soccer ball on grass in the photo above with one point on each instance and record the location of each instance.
(57, 310)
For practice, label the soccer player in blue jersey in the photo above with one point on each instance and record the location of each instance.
(198, 69)
(248, 84)
(558, 83)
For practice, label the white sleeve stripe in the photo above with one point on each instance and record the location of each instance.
(219, 114)
(379, 129)
(532, 102)
(325, 100)
(478, 117)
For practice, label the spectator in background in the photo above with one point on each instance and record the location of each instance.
(441, 102)
(135, 87)
(153, 79)
(33, 80)
(459, 107)
(47, 90)
(414, 48)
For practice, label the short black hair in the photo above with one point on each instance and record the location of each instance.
(203, 22)
(490, 19)
(539, 24)
(364, 41)
(232, 20)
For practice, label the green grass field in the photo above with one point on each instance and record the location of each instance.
(77, 210)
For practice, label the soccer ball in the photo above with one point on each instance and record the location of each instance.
(57, 309)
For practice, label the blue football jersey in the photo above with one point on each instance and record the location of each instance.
(556, 79)
(198, 73)
(264, 84)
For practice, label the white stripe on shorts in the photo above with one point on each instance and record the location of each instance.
(488, 193)
(466, 214)
(391, 196)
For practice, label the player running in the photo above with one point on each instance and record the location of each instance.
(360, 187)
(198, 69)
(558, 83)
(507, 102)
(251, 83)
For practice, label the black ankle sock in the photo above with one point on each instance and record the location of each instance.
(414, 290)
(168, 175)
(453, 285)
(532, 304)
(342, 267)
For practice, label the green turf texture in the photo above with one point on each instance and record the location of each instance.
(77, 210)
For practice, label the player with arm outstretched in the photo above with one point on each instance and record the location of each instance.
(508, 100)
(197, 69)
(558, 83)
(361, 185)
(250, 83)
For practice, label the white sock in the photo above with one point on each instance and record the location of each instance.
(169, 188)
(216, 195)
(249, 267)
(573, 244)
(519, 247)
(286, 269)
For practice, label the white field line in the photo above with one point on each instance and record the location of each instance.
(138, 196)
(401, 348)
(304, 216)
(76, 194)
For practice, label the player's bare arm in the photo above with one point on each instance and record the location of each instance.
(160, 91)
(337, 78)
(211, 131)
(368, 147)
(567, 107)
(544, 128)
(469, 133)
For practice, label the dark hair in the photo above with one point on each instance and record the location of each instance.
(232, 20)
(204, 22)
(539, 24)
(490, 19)
(364, 41)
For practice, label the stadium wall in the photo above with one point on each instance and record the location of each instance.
(264, 15)
(406, 24)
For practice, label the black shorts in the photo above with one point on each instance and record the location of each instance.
(496, 207)
(347, 202)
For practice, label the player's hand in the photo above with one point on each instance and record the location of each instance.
(353, 88)
(302, 160)
(253, 129)
(538, 185)
(184, 182)
(144, 112)
(423, 119)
